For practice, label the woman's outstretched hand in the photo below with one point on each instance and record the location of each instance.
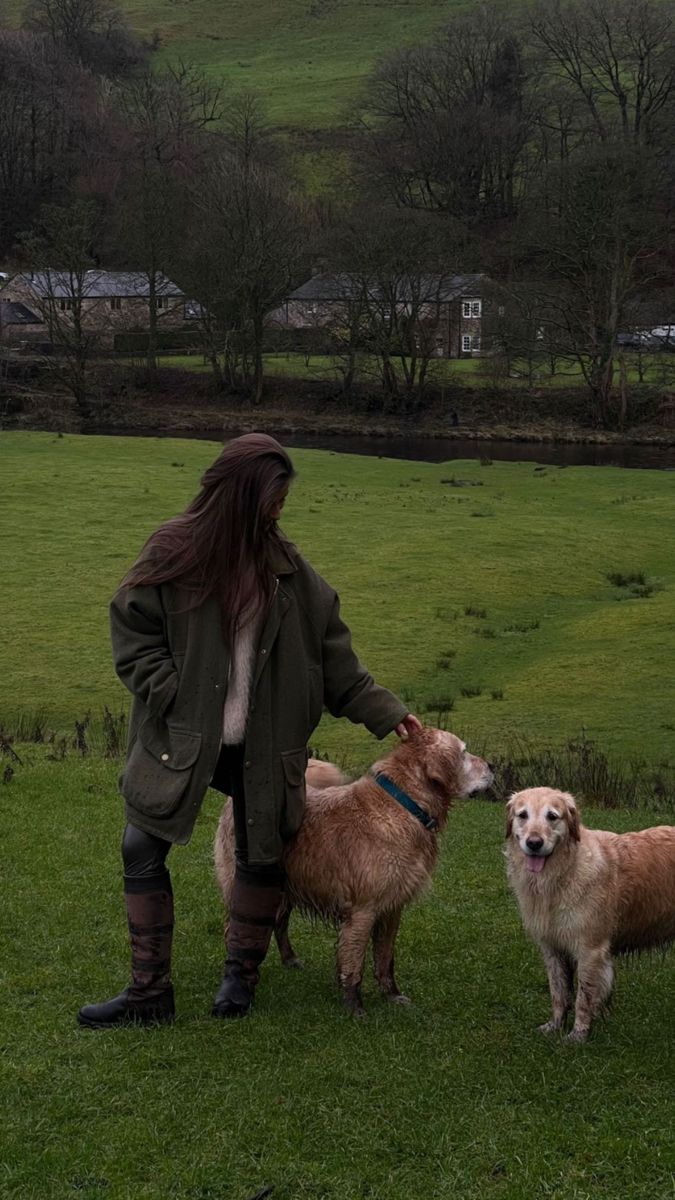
(409, 725)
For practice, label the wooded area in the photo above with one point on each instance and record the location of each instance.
(534, 146)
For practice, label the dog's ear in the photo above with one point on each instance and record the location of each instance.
(572, 812)
(441, 761)
(510, 805)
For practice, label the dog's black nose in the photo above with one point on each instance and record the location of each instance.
(534, 843)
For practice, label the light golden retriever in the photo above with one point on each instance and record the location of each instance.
(585, 895)
(359, 857)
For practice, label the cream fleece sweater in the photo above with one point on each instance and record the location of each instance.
(238, 697)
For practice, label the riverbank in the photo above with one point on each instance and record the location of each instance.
(182, 405)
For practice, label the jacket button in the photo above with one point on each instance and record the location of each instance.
(247, 764)
(250, 821)
(165, 757)
(263, 652)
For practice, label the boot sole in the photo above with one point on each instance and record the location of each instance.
(126, 1022)
(232, 1013)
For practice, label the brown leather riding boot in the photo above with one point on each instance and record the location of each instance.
(254, 903)
(149, 998)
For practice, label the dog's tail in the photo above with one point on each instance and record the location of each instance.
(321, 774)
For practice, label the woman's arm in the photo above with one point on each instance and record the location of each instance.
(140, 652)
(350, 690)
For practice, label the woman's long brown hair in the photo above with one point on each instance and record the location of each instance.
(221, 544)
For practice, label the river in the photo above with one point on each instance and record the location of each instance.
(420, 449)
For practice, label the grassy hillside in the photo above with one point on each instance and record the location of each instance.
(479, 591)
(307, 58)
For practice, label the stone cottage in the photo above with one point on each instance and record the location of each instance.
(19, 325)
(112, 301)
(455, 309)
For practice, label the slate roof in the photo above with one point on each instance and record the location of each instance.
(336, 287)
(13, 313)
(98, 284)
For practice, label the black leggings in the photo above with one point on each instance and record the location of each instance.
(144, 854)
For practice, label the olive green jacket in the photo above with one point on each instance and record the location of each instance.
(175, 663)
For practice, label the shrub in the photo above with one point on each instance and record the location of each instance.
(581, 767)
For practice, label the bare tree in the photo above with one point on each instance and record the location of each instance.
(246, 246)
(393, 277)
(448, 125)
(595, 236)
(163, 119)
(50, 129)
(93, 32)
(618, 58)
(60, 251)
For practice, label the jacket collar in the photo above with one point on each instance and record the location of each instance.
(282, 557)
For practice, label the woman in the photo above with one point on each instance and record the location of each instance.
(230, 644)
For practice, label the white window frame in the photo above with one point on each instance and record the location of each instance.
(472, 308)
(467, 343)
(115, 303)
(66, 304)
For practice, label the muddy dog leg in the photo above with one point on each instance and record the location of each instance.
(384, 938)
(288, 956)
(595, 977)
(560, 970)
(353, 939)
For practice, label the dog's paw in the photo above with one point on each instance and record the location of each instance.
(399, 998)
(549, 1027)
(577, 1037)
(293, 964)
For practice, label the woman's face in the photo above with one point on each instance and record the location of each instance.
(277, 506)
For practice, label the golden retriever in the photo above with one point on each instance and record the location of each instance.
(585, 895)
(359, 857)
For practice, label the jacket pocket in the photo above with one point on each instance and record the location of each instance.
(294, 763)
(159, 767)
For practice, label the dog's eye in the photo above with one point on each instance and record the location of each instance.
(551, 816)
(522, 816)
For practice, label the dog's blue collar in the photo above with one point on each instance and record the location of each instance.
(423, 817)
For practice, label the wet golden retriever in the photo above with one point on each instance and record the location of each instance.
(586, 895)
(360, 857)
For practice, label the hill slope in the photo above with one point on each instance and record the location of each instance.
(307, 58)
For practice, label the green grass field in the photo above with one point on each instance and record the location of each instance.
(456, 1098)
(469, 372)
(501, 587)
(308, 59)
(454, 577)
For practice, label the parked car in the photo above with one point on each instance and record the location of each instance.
(663, 337)
(636, 339)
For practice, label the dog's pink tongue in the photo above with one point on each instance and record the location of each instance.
(535, 862)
